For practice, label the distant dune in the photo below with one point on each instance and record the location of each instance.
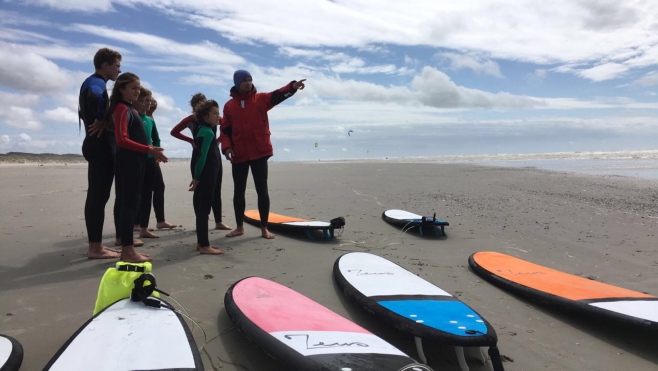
(26, 158)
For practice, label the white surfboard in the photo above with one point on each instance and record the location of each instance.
(126, 336)
(406, 219)
(11, 354)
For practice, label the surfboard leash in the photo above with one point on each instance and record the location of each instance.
(494, 353)
(362, 244)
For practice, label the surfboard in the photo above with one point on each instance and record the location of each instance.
(11, 354)
(411, 304)
(306, 335)
(292, 223)
(406, 219)
(565, 290)
(128, 335)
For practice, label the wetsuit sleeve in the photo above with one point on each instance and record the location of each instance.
(121, 113)
(226, 131)
(207, 137)
(176, 132)
(155, 135)
(278, 96)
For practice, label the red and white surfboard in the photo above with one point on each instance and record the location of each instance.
(304, 334)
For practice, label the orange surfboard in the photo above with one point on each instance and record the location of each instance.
(559, 288)
(294, 223)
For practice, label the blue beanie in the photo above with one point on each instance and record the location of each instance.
(239, 76)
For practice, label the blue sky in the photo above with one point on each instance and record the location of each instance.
(415, 78)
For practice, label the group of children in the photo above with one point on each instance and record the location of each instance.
(134, 154)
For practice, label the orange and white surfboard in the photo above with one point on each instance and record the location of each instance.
(569, 291)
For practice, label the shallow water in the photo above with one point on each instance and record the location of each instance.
(637, 168)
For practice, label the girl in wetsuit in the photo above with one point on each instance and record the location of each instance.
(176, 132)
(206, 163)
(130, 158)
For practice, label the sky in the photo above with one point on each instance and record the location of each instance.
(408, 78)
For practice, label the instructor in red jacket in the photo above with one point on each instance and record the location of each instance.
(245, 138)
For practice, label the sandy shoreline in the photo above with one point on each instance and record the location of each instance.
(603, 227)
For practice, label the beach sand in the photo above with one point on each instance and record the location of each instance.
(599, 227)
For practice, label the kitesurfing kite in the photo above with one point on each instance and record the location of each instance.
(348, 133)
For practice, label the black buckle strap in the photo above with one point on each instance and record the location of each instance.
(131, 268)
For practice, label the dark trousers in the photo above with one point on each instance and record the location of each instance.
(158, 195)
(217, 198)
(128, 185)
(100, 175)
(240, 175)
(204, 193)
(142, 217)
(153, 189)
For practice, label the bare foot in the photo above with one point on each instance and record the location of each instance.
(136, 242)
(222, 226)
(129, 255)
(266, 234)
(210, 250)
(145, 233)
(98, 251)
(239, 231)
(165, 225)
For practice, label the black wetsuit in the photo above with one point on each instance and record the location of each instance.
(206, 163)
(217, 198)
(130, 170)
(99, 153)
(152, 180)
(240, 175)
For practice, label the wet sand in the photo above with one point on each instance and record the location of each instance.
(601, 227)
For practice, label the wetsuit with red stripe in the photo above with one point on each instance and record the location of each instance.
(133, 146)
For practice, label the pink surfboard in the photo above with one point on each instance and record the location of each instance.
(305, 335)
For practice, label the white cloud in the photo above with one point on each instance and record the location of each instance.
(4, 140)
(540, 73)
(16, 110)
(24, 138)
(475, 63)
(603, 72)
(204, 50)
(338, 62)
(61, 114)
(166, 105)
(76, 5)
(650, 79)
(24, 70)
(557, 32)
(286, 150)
(437, 90)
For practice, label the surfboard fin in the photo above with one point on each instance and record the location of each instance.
(496, 361)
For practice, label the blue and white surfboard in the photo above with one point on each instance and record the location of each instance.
(406, 219)
(409, 303)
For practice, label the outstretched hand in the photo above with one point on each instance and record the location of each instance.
(158, 154)
(193, 185)
(299, 84)
(96, 128)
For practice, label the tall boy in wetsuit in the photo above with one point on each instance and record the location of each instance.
(98, 148)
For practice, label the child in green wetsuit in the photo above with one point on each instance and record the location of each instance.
(206, 163)
(151, 169)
